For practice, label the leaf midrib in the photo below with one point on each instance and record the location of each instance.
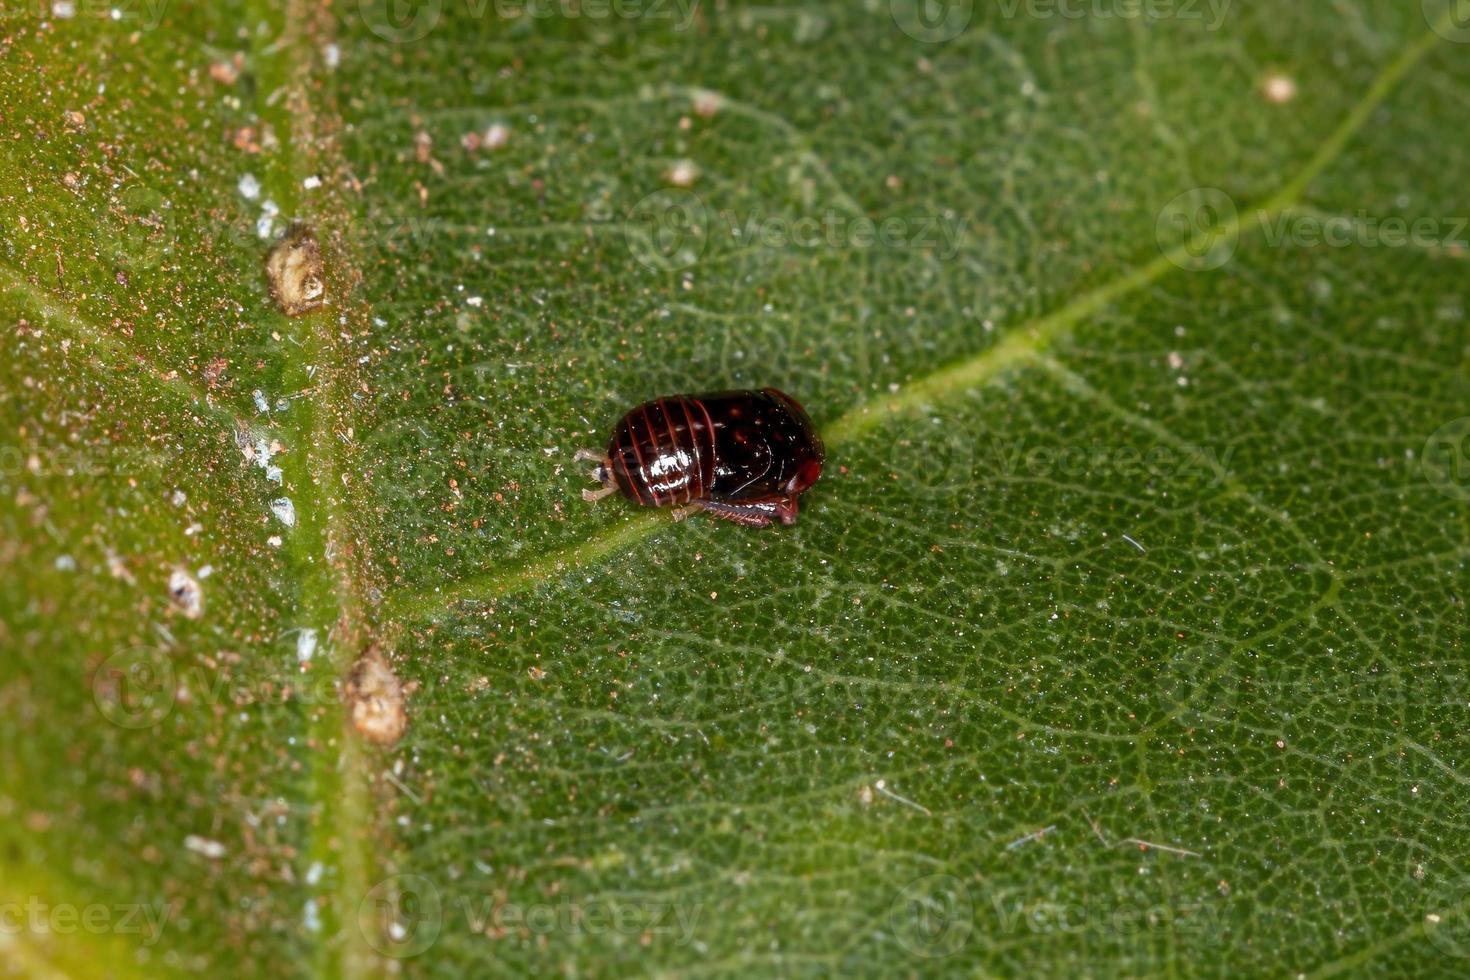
(321, 552)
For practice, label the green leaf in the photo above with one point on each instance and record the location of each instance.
(1123, 635)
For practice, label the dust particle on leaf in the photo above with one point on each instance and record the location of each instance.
(294, 268)
(186, 593)
(376, 698)
(225, 72)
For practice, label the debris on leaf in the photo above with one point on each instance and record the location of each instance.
(294, 268)
(186, 593)
(707, 104)
(683, 173)
(305, 645)
(203, 845)
(376, 696)
(1279, 89)
(284, 510)
(225, 72)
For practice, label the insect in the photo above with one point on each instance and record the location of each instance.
(744, 456)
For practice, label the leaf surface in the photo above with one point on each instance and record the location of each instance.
(1123, 634)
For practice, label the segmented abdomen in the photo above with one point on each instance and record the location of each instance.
(663, 452)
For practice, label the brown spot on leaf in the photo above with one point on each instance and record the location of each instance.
(376, 698)
(294, 268)
(226, 72)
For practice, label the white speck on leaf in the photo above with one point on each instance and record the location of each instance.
(284, 510)
(1279, 89)
(186, 593)
(205, 846)
(265, 225)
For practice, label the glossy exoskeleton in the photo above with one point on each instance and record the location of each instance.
(744, 456)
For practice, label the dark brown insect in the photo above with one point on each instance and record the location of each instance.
(744, 456)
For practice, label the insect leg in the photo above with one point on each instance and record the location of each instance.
(754, 513)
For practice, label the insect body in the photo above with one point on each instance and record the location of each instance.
(744, 456)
